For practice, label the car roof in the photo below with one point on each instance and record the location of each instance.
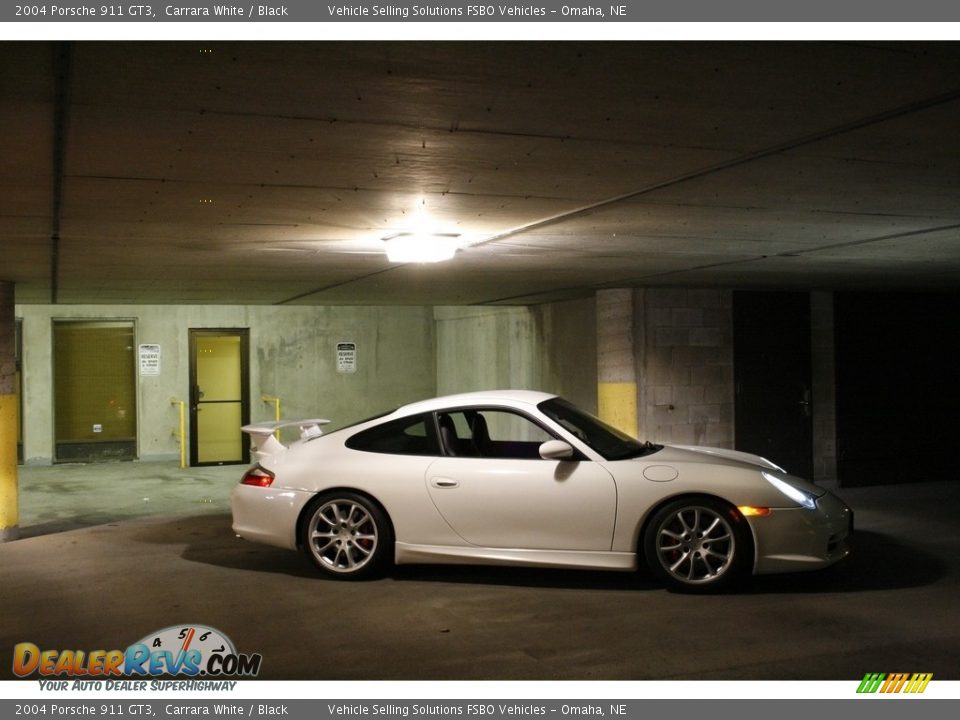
(494, 397)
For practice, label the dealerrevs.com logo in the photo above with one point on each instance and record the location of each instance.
(894, 682)
(180, 650)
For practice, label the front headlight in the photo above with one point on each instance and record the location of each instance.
(801, 497)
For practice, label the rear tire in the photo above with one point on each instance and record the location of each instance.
(698, 544)
(347, 536)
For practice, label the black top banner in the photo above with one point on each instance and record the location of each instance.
(403, 11)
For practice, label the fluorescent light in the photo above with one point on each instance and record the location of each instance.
(420, 247)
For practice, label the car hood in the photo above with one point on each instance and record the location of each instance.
(731, 458)
(699, 453)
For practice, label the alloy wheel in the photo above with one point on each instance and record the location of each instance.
(343, 536)
(695, 545)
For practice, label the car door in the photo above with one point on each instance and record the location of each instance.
(495, 490)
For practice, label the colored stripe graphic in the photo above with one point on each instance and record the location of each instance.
(894, 682)
(919, 682)
(871, 682)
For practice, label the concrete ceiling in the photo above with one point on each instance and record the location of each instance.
(269, 172)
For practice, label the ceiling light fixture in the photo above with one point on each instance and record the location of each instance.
(420, 247)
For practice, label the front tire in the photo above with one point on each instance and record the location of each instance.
(347, 536)
(698, 544)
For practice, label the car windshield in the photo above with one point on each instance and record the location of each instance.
(609, 442)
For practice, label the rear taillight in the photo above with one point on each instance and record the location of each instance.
(257, 476)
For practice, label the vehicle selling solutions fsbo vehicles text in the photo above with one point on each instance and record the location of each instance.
(500, 709)
(406, 11)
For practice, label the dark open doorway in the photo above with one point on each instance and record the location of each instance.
(771, 357)
(897, 386)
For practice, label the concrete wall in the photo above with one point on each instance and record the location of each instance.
(683, 350)
(569, 365)
(403, 354)
(683, 342)
(551, 347)
(292, 356)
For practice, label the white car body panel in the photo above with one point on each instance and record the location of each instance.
(531, 504)
(433, 554)
(794, 539)
(268, 517)
(735, 455)
(587, 512)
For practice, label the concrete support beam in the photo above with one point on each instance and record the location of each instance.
(9, 504)
(824, 395)
(616, 363)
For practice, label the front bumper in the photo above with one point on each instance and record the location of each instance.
(797, 539)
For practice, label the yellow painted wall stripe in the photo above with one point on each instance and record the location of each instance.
(617, 406)
(9, 506)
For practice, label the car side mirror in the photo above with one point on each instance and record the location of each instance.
(556, 450)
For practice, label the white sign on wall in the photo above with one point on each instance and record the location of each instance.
(149, 360)
(346, 357)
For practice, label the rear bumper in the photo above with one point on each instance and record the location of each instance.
(266, 515)
(797, 539)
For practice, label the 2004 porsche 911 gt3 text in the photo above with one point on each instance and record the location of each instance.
(525, 478)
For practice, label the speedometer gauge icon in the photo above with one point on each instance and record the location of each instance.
(181, 639)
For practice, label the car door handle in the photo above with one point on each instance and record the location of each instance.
(444, 483)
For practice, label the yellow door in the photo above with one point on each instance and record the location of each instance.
(95, 391)
(219, 397)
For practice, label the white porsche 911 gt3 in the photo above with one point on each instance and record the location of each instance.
(525, 478)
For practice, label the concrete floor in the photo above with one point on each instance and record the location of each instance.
(113, 552)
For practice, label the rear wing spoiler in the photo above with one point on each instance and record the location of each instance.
(265, 442)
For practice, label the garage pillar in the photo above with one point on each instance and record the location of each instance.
(9, 515)
(616, 366)
(823, 377)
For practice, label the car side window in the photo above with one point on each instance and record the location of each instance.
(406, 436)
(491, 433)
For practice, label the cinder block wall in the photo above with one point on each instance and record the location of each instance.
(684, 354)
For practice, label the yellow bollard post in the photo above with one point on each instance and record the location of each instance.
(182, 431)
(183, 434)
(9, 488)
